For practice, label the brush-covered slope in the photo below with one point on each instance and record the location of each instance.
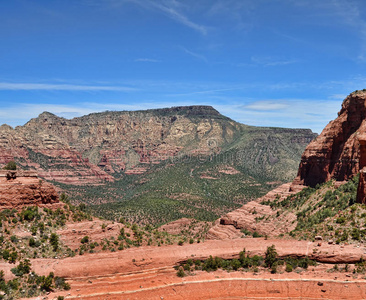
(156, 165)
(104, 146)
(328, 168)
(328, 210)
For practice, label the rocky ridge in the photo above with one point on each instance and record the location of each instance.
(338, 153)
(102, 147)
(24, 188)
(255, 217)
(335, 153)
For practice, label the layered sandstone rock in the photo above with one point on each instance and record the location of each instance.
(361, 190)
(104, 146)
(99, 147)
(335, 153)
(23, 188)
(255, 217)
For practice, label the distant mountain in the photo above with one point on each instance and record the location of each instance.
(131, 155)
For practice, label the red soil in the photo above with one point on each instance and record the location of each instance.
(147, 273)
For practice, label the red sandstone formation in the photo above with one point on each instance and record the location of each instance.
(361, 190)
(103, 146)
(147, 273)
(253, 216)
(22, 188)
(335, 153)
(184, 224)
(91, 149)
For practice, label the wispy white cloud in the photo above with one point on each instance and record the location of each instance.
(147, 60)
(337, 96)
(293, 113)
(171, 9)
(239, 14)
(272, 61)
(196, 55)
(267, 105)
(25, 111)
(61, 87)
(145, 94)
(345, 12)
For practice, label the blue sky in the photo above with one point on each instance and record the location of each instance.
(286, 63)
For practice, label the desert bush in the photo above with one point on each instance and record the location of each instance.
(11, 166)
(270, 256)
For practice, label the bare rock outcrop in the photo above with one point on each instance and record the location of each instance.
(24, 188)
(255, 217)
(335, 153)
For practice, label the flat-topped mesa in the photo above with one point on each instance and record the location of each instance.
(195, 111)
(103, 147)
(24, 188)
(335, 153)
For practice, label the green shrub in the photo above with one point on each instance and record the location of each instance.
(85, 240)
(289, 268)
(24, 267)
(11, 165)
(256, 234)
(270, 256)
(60, 283)
(54, 241)
(341, 220)
(181, 272)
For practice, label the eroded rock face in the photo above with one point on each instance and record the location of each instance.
(335, 153)
(96, 148)
(18, 189)
(255, 217)
(361, 189)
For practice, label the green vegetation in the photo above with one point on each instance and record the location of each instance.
(193, 189)
(28, 284)
(206, 173)
(42, 224)
(11, 165)
(245, 263)
(326, 210)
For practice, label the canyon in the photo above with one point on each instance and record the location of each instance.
(147, 272)
(122, 163)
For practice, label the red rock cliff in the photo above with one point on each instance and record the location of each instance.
(19, 189)
(335, 153)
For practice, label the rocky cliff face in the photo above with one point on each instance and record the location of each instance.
(19, 189)
(99, 147)
(335, 153)
(102, 147)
